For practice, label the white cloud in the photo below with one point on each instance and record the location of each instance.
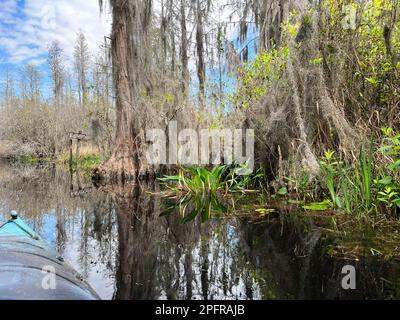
(8, 7)
(26, 28)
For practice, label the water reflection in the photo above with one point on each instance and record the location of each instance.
(83, 229)
(116, 238)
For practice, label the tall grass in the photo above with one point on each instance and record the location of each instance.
(198, 191)
(330, 167)
(197, 180)
(200, 180)
(366, 173)
(349, 187)
(362, 188)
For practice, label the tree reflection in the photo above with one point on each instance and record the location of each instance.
(282, 258)
(116, 238)
(81, 228)
(163, 258)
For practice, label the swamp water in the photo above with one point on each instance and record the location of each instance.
(117, 240)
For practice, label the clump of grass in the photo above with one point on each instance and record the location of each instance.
(365, 187)
(88, 162)
(196, 191)
(330, 168)
(30, 159)
(366, 174)
(192, 205)
(200, 180)
(349, 188)
(89, 158)
(197, 180)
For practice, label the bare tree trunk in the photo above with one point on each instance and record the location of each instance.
(163, 30)
(200, 55)
(82, 60)
(132, 75)
(123, 162)
(184, 52)
(55, 60)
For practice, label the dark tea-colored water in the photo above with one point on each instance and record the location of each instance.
(115, 237)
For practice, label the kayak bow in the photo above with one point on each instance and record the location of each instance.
(31, 270)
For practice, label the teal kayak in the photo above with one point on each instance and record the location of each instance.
(31, 270)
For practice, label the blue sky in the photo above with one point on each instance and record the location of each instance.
(28, 26)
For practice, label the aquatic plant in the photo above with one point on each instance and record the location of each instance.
(330, 170)
(190, 206)
(366, 171)
(388, 183)
(200, 180)
(196, 180)
(318, 206)
(365, 186)
(349, 187)
(197, 191)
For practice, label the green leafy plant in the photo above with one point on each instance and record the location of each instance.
(318, 206)
(199, 189)
(366, 174)
(391, 148)
(330, 169)
(197, 180)
(349, 187)
(389, 196)
(387, 184)
(235, 177)
(191, 206)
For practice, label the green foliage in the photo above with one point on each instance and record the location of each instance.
(366, 172)
(391, 147)
(88, 162)
(241, 178)
(283, 191)
(258, 76)
(192, 205)
(349, 187)
(199, 180)
(370, 62)
(389, 196)
(330, 169)
(197, 191)
(318, 206)
(388, 184)
(365, 187)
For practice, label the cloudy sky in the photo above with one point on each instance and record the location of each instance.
(28, 26)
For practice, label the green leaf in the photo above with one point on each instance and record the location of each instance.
(385, 181)
(395, 165)
(372, 81)
(170, 178)
(282, 191)
(318, 206)
(316, 61)
(265, 210)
